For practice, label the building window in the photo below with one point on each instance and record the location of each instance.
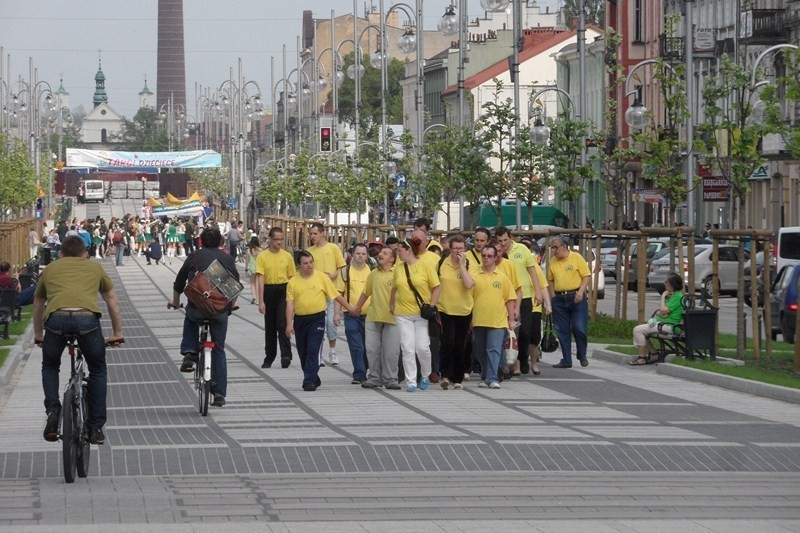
(637, 21)
(103, 135)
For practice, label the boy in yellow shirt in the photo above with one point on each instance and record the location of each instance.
(351, 282)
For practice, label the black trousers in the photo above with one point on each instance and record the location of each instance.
(454, 356)
(524, 335)
(275, 323)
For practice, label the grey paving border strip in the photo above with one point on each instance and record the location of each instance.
(16, 354)
(756, 388)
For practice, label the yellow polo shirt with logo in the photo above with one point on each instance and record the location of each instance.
(475, 262)
(537, 308)
(430, 259)
(309, 295)
(491, 292)
(327, 258)
(358, 280)
(379, 289)
(567, 274)
(522, 258)
(276, 267)
(424, 279)
(456, 299)
(508, 268)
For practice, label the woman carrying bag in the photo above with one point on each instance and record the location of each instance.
(410, 277)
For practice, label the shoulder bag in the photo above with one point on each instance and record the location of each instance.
(549, 340)
(426, 311)
(204, 295)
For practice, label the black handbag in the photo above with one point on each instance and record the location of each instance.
(426, 311)
(549, 341)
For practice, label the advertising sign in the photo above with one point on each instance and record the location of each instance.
(704, 40)
(716, 189)
(651, 196)
(108, 159)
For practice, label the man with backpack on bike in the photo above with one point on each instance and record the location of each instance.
(69, 289)
(199, 261)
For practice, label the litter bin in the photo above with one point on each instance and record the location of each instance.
(701, 329)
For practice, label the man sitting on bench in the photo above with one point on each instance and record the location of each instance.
(670, 312)
(7, 281)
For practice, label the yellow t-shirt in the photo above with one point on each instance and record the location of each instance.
(475, 262)
(542, 283)
(309, 295)
(491, 292)
(430, 259)
(508, 268)
(456, 299)
(522, 258)
(276, 267)
(567, 274)
(379, 288)
(358, 279)
(424, 279)
(327, 258)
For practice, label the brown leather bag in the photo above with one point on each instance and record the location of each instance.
(204, 295)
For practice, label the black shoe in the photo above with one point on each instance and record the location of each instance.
(219, 400)
(156, 262)
(309, 387)
(266, 364)
(51, 427)
(584, 362)
(392, 386)
(357, 381)
(149, 263)
(96, 436)
(188, 363)
(285, 363)
(368, 385)
(561, 365)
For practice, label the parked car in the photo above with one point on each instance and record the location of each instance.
(703, 269)
(609, 249)
(783, 302)
(787, 247)
(654, 246)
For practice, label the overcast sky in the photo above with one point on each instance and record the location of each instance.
(63, 38)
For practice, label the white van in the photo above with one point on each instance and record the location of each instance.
(787, 247)
(94, 191)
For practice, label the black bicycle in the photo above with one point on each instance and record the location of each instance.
(74, 413)
(203, 375)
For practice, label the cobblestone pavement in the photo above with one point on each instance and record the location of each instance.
(607, 447)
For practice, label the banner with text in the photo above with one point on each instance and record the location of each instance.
(191, 207)
(107, 159)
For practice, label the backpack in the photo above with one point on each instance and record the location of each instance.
(117, 238)
(345, 273)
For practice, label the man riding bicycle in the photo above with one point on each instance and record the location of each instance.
(211, 239)
(69, 289)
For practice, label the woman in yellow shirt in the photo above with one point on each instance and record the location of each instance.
(456, 314)
(351, 281)
(414, 339)
(382, 335)
(307, 297)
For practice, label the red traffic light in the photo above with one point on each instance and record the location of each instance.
(325, 139)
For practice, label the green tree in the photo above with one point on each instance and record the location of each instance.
(18, 179)
(596, 12)
(214, 183)
(370, 108)
(529, 184)
(143, 133)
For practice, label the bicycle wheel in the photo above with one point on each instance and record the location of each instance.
(83, 435)
(68, 435)
(204, 387)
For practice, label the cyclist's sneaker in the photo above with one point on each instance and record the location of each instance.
(285, 362)
(96, 436)
(188, 363)
(51, 427)
(219, 400)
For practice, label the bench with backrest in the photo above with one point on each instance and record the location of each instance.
(693, 337)
(8, 309)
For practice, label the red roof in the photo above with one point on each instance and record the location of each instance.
(537, 40)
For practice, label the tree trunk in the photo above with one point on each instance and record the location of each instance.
(741, 327)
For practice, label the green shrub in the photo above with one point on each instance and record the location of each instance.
(606, 327)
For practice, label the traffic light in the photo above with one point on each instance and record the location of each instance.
(324, 139)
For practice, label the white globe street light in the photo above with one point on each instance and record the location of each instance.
(351, 71)
(389, 167)
(376, 59)
(407, 42)
(494, 5)
(636, 116)
(540, 133)
(448, 25)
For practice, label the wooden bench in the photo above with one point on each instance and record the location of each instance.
(693, 337)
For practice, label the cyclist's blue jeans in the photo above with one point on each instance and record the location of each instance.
(355, 331)
(191, 344)
(93, 345)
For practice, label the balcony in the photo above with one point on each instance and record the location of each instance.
(764, 26)
(673, 49)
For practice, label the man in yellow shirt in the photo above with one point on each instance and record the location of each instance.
(492, 314)
(274, 269)
(455, 306)
(307, 296)
(522, 259)
(328, 259)
(351, 282)
(568, 276)
(424, 225)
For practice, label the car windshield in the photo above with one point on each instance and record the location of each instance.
(665, 252)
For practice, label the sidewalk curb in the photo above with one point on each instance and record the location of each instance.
(756, 388)
(16, 355)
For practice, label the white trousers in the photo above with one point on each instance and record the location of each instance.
(641, 332)
(414, 341)
(383, 350)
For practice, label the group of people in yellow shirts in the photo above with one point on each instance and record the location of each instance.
(480, 296)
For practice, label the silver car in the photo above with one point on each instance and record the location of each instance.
(703, 269)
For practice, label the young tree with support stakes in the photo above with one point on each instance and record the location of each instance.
(18, 180)
(528, 184)
(213, 182)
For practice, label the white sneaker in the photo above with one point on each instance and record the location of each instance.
(482, 385)
(466, 376)
(334, 359)
(494, 385)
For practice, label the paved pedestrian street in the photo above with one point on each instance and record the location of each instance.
(603, 448)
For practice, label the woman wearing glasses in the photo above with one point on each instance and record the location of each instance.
(410, 276)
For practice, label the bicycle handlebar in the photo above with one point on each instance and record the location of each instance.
(114, 344)
(170, 306)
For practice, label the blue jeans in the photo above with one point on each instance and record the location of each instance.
(355, 331)
(120, 252)
(309, 330)
(571, 319)
(191, 344)
(92, 344)
(488, 345)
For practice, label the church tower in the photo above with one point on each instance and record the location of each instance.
(100, 95)
(145, 96)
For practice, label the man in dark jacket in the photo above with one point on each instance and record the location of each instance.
(154, 251)
(211, 239)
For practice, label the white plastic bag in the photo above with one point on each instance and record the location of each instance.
(511, 348)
